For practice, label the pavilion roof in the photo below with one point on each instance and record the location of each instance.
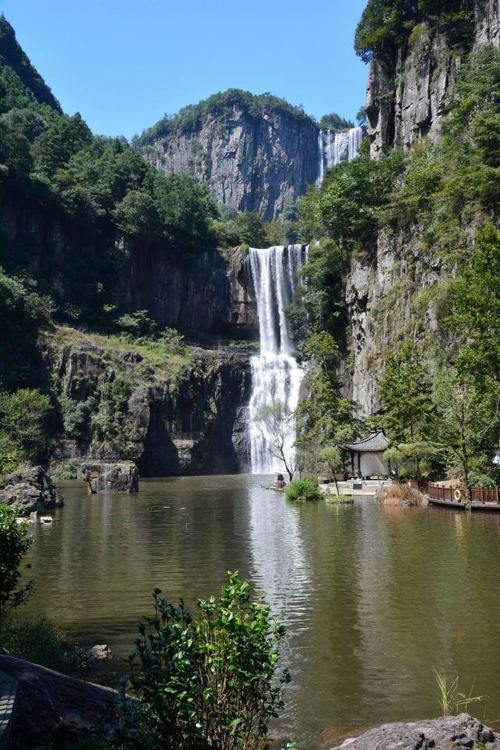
(374, 443)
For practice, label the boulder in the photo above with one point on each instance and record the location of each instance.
(99, 652)
(31, 490)
(51, 707)
(444, 733)
(101, 476)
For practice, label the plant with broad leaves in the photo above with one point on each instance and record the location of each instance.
(205, 682)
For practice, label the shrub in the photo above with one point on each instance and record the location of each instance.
(14, 544)
(400, 495)
(41, 642)
(303, 489)
(23, 416)
(205, 682)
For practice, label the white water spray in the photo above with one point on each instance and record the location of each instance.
(276, 376)
(334, 148)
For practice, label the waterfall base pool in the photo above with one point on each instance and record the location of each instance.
(373, 598)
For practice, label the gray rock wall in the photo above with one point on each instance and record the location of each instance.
(192, 421)
(251, 163)
(406, 98)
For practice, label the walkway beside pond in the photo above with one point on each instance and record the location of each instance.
(8, 688)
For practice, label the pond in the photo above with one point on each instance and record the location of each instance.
(373, 598)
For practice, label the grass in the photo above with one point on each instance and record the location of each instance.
(451, 700)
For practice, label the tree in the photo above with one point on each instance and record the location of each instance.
(14, 544)
(23, 416)
(276, 423)
(467, 424)
(333, 459)
(406, 395)
(205, 682)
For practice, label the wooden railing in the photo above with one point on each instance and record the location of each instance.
(479, 494)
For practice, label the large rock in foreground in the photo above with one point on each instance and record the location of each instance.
(447, 732)
(49, 706)
(119, 476)
(30, 490)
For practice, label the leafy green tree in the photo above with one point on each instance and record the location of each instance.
(467, 424)
(407, 410)
(205, 682)
(250, 229)
(473, 310)
(335, 122)
(137, 214)
(64, 138)
(23, 430)
(14, 544)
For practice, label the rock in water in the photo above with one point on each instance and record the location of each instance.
(440, 734)
(30, 490)
(120, 476)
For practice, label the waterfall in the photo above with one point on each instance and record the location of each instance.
(334, 148)
(276, 376)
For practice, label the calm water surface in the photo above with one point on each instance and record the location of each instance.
(373, 598)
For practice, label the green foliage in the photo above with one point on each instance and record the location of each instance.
(40, 641)
(22, 312)
(335, 122)
(303, 490)
(108, 423)
(23, 438)
(386, 24)
(14, 544)
(467, 424)
(207, 682)
(137, 323)
(406, 390)
(29, 84)
(220, 105)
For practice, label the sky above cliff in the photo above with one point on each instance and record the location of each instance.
(124, 63)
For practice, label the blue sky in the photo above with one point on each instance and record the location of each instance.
(124, 63)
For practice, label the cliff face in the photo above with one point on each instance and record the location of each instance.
(183, 416)
(406, 99)
(250, 162)
(386, 290)
(210, 294)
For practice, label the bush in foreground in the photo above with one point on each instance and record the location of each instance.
(209, 682)
(303, 489)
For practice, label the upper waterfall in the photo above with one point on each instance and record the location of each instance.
(276, 376)
(335, 147)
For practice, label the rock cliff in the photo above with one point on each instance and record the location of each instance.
(252, 158)
(386, 290)
(183, 413)
(406, 97)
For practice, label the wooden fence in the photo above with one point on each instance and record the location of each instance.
(479, 494)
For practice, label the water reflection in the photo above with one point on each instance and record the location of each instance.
(373, 598)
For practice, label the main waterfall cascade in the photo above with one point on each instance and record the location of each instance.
(335, 147)
(276, 376)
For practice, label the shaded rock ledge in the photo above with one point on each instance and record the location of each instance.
(49, 706)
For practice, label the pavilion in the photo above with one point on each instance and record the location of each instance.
(367, 456)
